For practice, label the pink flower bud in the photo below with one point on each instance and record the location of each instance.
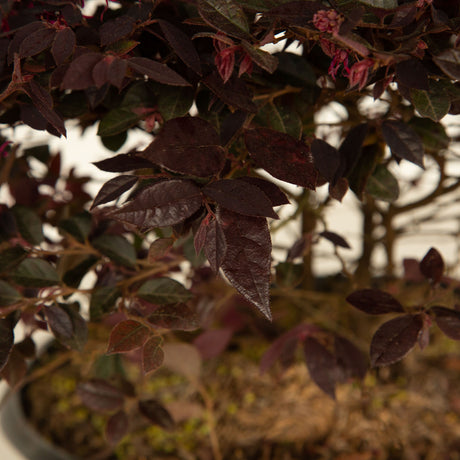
(328, 21)
(359, 73)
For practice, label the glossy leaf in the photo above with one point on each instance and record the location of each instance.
(263, 59)
(163, 291)
(79, 74)
(188, 145)
(67, 325)
(8, 294)
(100, 396)
(394, 339)
(116, 428)
(163, 204)
(432, 265)
(335, 239)
(282, 156)
(276, 196)
(175, 102)
(248, 256)
(210, 236)
(113, 188)
(403, 141)
(433, 104)
(152, 354)
(122, 163)
(241, 197)
(156, 71)
(6, 340)
(382, 185)
(118, 248)
(374, 302)
(448, 321)
(35, 273)
(174, 317)
(63, 45)
(449, 62)
(126, 336)
(156, 413)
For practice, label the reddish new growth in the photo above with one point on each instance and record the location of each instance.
(422, 3)
(328, 21)
(359, 73)
(339, 57)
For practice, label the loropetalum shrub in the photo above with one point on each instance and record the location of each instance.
(223, 112)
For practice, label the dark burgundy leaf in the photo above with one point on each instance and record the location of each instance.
(449, 62)
(123, 162)
(210, 236)
(322, 366)
(100, 395)
(394, 339)
(79, 73)
(175, 317)
(152, 355)
(412, 270)
(11, 257)
(44, 103)
(156, 71)
(159, 248)
(248, 257)
(335, 239)
(448, 321)
(21, 35)
(163, 291)
(403, 141)
(350, 359)
(339, 190)
(156, 413)
(161, 205)
(36, 42)
(126, 336)
(67, 325)
(212, 343)
(117, 72)
(188, 145)
(350, 149)
(374, 302)
(6, 341)
(282, 156)
(326, 159)
(241, 197)
(113, 188)
(273, 192)
(63, 45)
(15, 369)
(296, 13)
(412, 73)
(432, 265)
(116, 427)
(300, 247)
(100, 72)
(231, 126)
(112, 31)
(235, 92)
(182, 45)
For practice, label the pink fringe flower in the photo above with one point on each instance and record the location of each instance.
(359, 73)
(328, 21)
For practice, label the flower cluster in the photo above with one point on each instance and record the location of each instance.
(225, 58)
(328, 21)
(339, 57)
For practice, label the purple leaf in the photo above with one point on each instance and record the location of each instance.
(112, 31)
(449, 62)
(152, 355)
(126, 336)
(273, 192)
(241, 197)
(326, 159)
(335, 239)
(350, 149)
(412, 271)
(23, 33)
(282, 156)
(350, 359)
(247, 259)
(117, 72)
(6, 341)
(394, 339)
(374, 302)
(177, 317)
(161, 205)
(412, 73)
(182, 45)
(156, 71)
(156, 413)
(187, 145)
(212, 343)
(322, 366)
(100, 396)
(37, 42)
(15, 370)
(113, 188)
(448, 321)
(403, 141)
(63, 45)
(123, 162)
(432, 265)
(116, 427)
(211, 236)
(79, 73)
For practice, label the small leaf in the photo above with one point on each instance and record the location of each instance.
(159, 248)
(248, 257)
(280, 118)
(163, 204)
(273, 192)
(449, 62)
(175, 102)
(100, 395)
(116, 428)
(35, 273)
(188, 145)
(113, 188)
(79, 74)
(152, 355)
(241, 197)
(11, 257)
(374, 302)
(433, 104)
(351, 149)
(103, 301)
(394, 339)
(79, 226)
(114, 143)
(163, 291)
(8, 295)
(116, 29)
(156, 413)
(174, 317)
(122, 163)
(37, 42)
(15, 370)
(213, 242)
(282, 156)
(117, 248)
(448, 321)
(432, 265)
(335, 239)
(6, 340)
(117, 121)
(403, 141)
(382, 185)
(350, 359)
(326, 159)
(156, 71)
(67, 325)
(262, 58)
(126, 336)
(63, 45)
